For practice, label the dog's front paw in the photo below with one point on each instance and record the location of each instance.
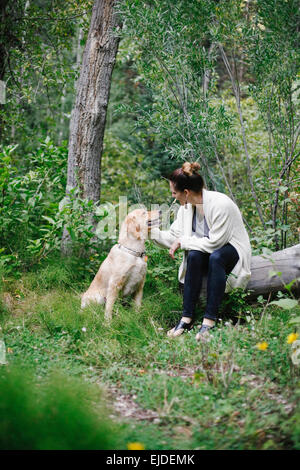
(107, 318)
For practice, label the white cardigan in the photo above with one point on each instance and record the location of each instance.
(225, 225)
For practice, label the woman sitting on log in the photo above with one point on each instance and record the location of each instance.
(210, 229)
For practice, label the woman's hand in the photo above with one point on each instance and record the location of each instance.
(174, 247)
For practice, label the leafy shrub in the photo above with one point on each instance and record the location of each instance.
(34, 210)
(28, 196)
(56, 414)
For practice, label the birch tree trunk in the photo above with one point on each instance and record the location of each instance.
(88, 116)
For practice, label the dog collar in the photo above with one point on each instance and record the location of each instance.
(131, 252)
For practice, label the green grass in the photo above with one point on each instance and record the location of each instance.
(58, 413)
(224, 394)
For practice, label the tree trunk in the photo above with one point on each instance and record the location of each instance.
(88, 116)
(3, 46)
(3, 59)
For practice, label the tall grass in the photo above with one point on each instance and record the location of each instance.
(224, 394)
(57, 413)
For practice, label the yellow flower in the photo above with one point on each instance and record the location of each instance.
(292, 337)
(135, 446)
(262, 346)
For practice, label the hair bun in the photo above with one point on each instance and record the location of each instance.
(190, 168)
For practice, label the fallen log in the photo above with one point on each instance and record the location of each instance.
(270, 272)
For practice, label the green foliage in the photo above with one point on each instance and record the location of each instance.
(171, 61)
(126, 173)
(286, 304)
(34, 211)
(161, 270)
(60, 413)
(235, 303)
(39, 67)
(54, 273)
(29, 201)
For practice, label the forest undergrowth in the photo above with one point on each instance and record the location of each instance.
(239, 390)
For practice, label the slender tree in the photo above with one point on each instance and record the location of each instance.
(88, 116)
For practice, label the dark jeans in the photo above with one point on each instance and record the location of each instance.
(216, 265)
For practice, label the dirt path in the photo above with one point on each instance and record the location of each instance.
(124, 406)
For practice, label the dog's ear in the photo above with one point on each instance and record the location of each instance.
(133, 227)
(137, 232)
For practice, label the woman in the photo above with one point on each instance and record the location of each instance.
(210, 230)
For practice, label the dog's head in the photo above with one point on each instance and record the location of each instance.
(140, 221)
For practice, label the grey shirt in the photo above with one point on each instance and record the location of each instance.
(199, 225)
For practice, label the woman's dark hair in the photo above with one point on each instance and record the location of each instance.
(187, 177)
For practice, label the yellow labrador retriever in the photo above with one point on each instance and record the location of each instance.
(124, 269)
